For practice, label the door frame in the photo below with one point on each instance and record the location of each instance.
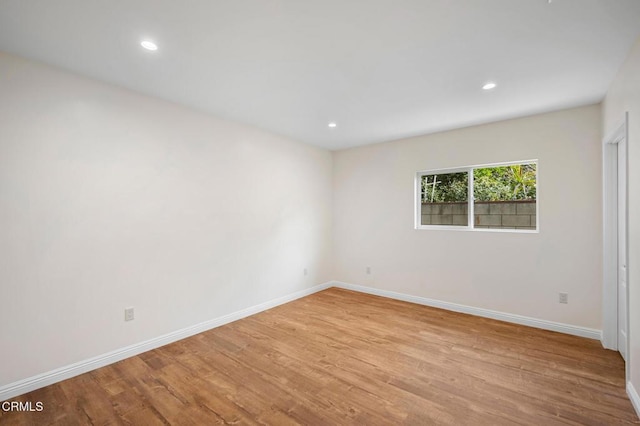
(610, 234)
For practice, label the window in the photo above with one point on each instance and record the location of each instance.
(504, 197)
(445, 197)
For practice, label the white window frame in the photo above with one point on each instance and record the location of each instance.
(470, 199)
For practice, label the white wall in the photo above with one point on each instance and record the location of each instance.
(111, 199)
(513, 273)
(624, 95)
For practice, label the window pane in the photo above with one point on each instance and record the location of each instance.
(505, 197)
(444, 199)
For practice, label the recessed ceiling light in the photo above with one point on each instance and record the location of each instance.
(489, 85)
(149, 45)
(332, 124)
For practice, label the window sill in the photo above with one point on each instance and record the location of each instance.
(468, 229)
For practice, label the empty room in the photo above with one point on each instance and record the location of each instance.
(420, 212)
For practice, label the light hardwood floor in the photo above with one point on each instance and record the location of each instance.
(340, 357)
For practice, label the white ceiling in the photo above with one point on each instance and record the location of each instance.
(381, 69)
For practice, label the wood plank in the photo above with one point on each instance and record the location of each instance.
(341, 357)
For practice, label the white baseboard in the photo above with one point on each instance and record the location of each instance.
(12, 390)
(633, 396)
(486, 313)
(45, 379)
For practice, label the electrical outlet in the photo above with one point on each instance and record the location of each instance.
(128, 314)
(305, 272)
(368, 270)
(563, 297)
